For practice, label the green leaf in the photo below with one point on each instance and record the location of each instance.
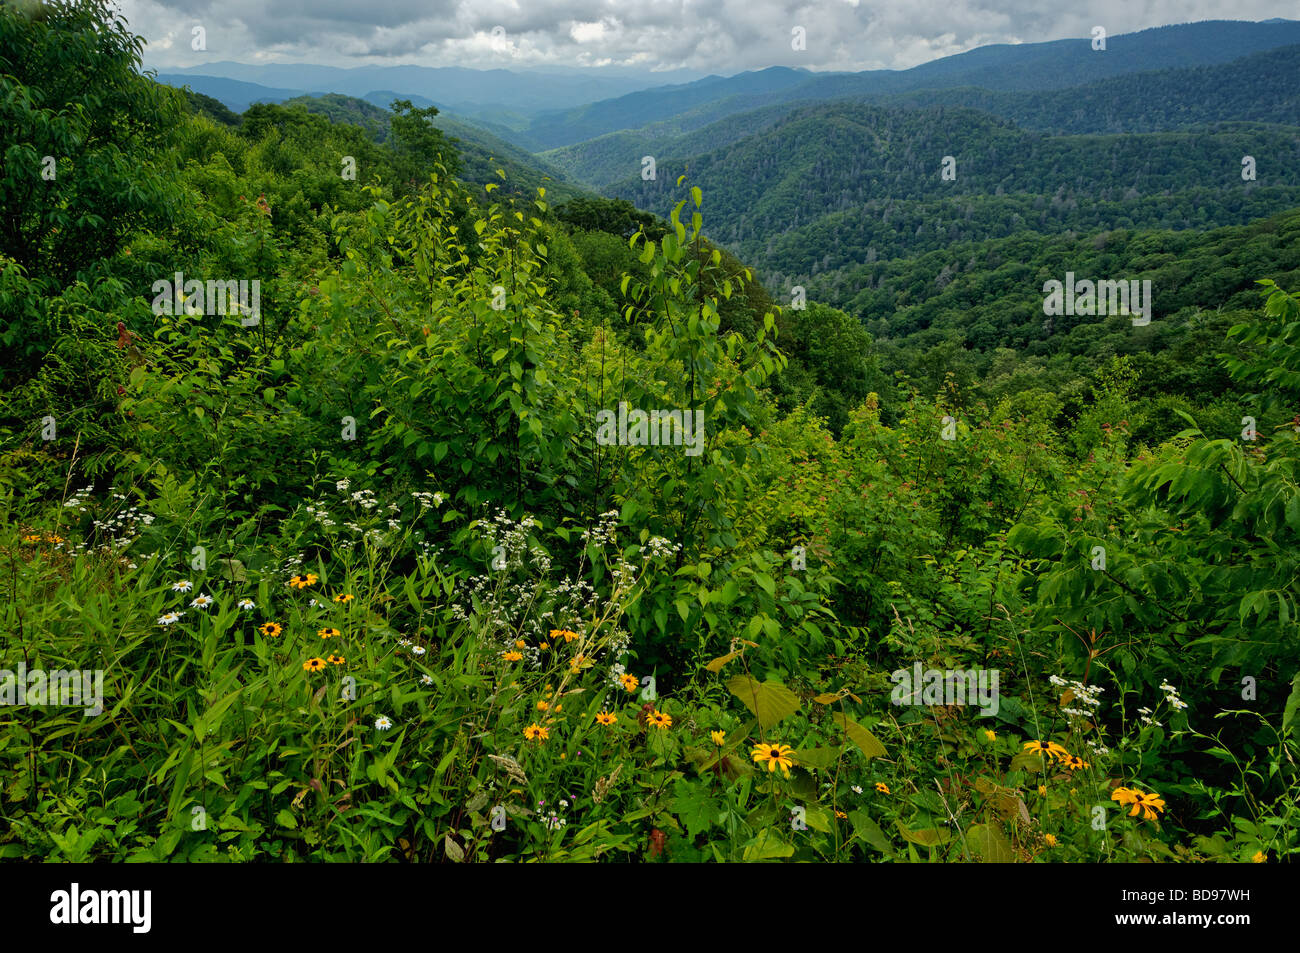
(926, 837)
(770, 701)
(865, 740)
(766, 847)
(990, 844)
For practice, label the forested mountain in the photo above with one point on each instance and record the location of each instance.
(850, 182)
(1255, 88)
(481, 153)
(1031, 66)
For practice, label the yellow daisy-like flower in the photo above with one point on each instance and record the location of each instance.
(1074, 762)
(32, 538)
(1042, 790)
(270, 628)
(53, 538)
(520, 644)
(658, 719)
(605, 718)
(512, 656)
(544, 646)
(302, 582)
(542, 706)
(775, 755)
(990, 734)
(336, 660)
(841, 815)
(630, 682)
(536, 732)
(1048, 749)
(328, 633)
(1259, 857)
(568, 634)
(1149, 805)
(313, 665)
(348, 597)
(719, 737)
(1050, 840)
(882, 787)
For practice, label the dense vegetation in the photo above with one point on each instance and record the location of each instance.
(365, 584)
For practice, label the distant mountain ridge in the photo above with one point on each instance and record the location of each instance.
(1054, 64)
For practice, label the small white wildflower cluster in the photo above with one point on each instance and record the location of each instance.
(605, 530)
(428, 501)
(320, 514)
(121, 527)
(657, 547)
(79, 499)
(1086, 700)
(1171, 696)
(1083, 706)
(552, 820)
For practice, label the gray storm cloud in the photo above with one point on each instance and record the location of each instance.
(723, 36)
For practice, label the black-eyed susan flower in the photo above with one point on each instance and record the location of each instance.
(536, 732)
(776, 756)
(630, 682)
(512, 656)
(336, 660)
(719, 737)
(54, 538)
(328, 633)
(344, 597)
(302, 582)
(271, 629)
(313, 665)
(882, 787)
(1148, 804)
(659, 719)
(32, 538)
(1048, 749)
(1074, 762)
(841, 815)
(605, 718)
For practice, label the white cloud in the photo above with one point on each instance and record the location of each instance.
(718, 36)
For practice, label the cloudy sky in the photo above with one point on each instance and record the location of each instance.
(720, 36)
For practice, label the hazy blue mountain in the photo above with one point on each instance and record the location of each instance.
(1025, 67)
(1256, 88)
(521, 90)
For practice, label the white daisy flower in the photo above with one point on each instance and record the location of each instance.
(169, 618)
(201, 601)
(418, 650)
(382, 723)
(247, 604)
(183, 586)
(426, 679)
(857, 789)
